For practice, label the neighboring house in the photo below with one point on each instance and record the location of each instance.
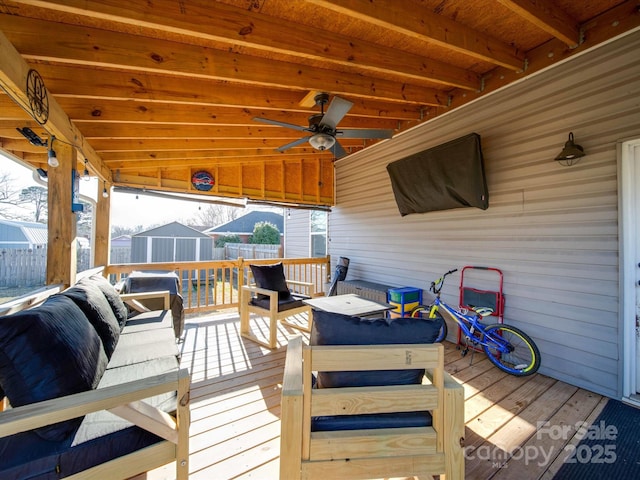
(22, 235)
(120, 249)
(244, 226)
(564, 236)
(123, 241)
(173, 242)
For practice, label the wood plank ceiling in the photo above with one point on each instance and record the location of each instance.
(158, 90)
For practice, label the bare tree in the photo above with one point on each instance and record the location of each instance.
(8, 195)
(38, 197)
(214, 215)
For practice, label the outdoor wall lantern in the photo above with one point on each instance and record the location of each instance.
(52, 160)
(571, 153)
(86, 176)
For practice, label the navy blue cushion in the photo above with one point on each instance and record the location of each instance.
(371, 421)
(47, 352)
(101, 437)
(337, 329)
(98, 311)
(112, 296)
(292, 301)
(271, 277)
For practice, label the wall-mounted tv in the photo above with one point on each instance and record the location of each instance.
(450, 175)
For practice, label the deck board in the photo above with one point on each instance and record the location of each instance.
(235, 408)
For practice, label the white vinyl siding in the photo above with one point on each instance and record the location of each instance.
(296, 233)
(552, 230)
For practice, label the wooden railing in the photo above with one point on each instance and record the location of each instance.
(214, 285)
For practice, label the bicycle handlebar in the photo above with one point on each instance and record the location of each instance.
(440, 281)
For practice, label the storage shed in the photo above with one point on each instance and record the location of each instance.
(173, 242)
(22, 235)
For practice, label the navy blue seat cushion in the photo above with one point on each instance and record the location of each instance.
(292, 301)
(47, 352)
(271, 277)
(97, 309)
(101, 436)
(371, 421)
(337, 329)
(117, 305)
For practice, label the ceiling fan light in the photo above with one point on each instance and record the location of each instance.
(322, 141)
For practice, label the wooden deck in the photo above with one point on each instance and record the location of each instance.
(235, 409)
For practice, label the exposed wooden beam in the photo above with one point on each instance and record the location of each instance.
(131, 145)
(13, 77)
(56, 42)
(92, 83)
(116, 159)
(144, 112)
(123, 130)
(235, 27)
(548, 17)
(403, 17)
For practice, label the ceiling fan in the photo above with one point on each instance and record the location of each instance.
(323, 127)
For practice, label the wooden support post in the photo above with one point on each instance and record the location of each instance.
(102, 227)
(61, 249)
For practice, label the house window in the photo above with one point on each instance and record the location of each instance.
(318, 234)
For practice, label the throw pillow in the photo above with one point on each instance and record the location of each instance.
(98, 311)
(47, 352)
(337, 329)
(112, 296)
(271, 277)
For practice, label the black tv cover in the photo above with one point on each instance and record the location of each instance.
(448, 176)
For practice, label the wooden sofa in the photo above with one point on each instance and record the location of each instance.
(98, 399)
(351, 425)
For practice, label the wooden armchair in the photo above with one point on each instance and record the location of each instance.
(272, 297)
(423, 451)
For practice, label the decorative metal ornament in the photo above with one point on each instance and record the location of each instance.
(38, 98)
(203, 181)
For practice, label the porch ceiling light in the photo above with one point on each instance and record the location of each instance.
(85, 175)
(105, 193)
(52, 160)
(322, 141)
(571, 153)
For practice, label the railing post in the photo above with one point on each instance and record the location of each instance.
(240, 263)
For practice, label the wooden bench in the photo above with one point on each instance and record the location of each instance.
(435, 449)
(144, 387)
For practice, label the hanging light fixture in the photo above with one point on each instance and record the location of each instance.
(52, 160)
(105, 193)
(85, 175)
(571, 153)
(322, 141)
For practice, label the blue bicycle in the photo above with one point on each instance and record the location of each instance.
(507, 347)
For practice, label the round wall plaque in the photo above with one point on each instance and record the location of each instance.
(202, 180)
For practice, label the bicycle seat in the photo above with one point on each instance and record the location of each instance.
(483, 311)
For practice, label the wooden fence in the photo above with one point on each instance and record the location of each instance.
(23, 268)
(27, 268)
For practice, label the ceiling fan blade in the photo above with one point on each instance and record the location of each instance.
(365, 133)
(295, 143)
(338, 108)
(280, 124)
(338, 150)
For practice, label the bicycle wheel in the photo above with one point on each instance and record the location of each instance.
(422, 311)
(511, 350)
